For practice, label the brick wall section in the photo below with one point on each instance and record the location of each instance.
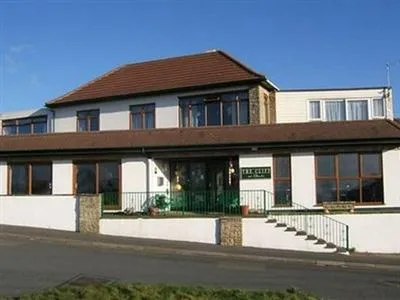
(231, 231)
(254, 105)
(89, 214)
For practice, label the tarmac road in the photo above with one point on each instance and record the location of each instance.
(29, 265)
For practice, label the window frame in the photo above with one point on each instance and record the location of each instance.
(97, 175)
(323, 101)
(142, 114)
(213, 98)
(29, 178)
(88, 119)
(277, 179)
(32, 121)
(360, 176)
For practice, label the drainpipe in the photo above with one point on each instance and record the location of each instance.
(147, 172)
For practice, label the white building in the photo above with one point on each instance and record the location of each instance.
(129, 135)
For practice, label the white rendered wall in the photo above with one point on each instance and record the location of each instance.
(51, 212)
(3, 178)
(62, 177)
(292, 106)
(202, 230)
(303, 179)
(391, 177)
(159, 177)
(134, 173)
(114, 115)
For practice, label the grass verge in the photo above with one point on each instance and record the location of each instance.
(158, 292)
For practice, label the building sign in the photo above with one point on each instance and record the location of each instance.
(255, 173)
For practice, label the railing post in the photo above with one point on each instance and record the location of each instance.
(347, 238)
(265, 202)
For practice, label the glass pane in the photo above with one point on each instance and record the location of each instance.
(82, 125)
(86, 178)
(244, 112)
(41, 179)
(94, 124)
(371, 165)
(137, 109)
(283, 193)
(198, 118)
(149, 108)
(213, 114)
(326, 191)
(349, 190)
(184, 115)
(325, 165)
(149, 120)
(372, 190)
(10, 130)
(378, 108)
(357, 110)
(40, 127)
(315, 110)
(19, 179)
(93, 113)
(197, 176)
(230, 113)
(282, 167)
(39, 120)
(335, 110)
(82, 114)
(24, 126)
(108, 177)
(137, 121)
(348, 165)
(229, 97)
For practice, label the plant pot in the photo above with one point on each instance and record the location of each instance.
(152, 211)
(244, 209)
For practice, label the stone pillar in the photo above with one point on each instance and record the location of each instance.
(89, 213)
(254, 105)
(231, 231)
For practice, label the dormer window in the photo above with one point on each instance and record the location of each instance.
(31, 125)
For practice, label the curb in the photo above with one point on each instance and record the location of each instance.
(167, 250)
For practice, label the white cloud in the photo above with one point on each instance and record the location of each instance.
(19, 48)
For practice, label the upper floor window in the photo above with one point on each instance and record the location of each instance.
(345, 109)
(143, 116)
(30, 178)
(223, 109)
(31, 125)
(88, 120)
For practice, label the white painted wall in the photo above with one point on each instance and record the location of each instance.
(51, 212)
(159, 173)
(62, 177)
(257, 233)
(391, 177)
(292, 106)
(134, 173)
(303, 179)
(202, 230)
(114, 115)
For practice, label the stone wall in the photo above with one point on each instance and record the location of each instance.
(89, 214)
(254, 105)
(231, 231)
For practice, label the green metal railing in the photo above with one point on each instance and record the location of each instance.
(310, 222)
(226, 202)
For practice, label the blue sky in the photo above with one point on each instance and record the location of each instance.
(48, 48)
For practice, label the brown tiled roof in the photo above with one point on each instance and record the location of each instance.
(178, 138)
(170, 74)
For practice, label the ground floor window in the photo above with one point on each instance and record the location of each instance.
(97, 177)
(349, 177)
(30, 178)
(282, 180)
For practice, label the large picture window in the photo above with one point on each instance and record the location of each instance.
(88, 120)
(349, 177)
(223, 109)
(282, 180)
(143, 116)
(32, 125)
(30, 179)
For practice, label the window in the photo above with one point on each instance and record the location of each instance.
(88, 120)
(97, 177)
(345, 109)
(32, 125)
(143, 116)
(30, 179)
(282, 180)
(378, 108)
(349, 177)
(224, 109)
